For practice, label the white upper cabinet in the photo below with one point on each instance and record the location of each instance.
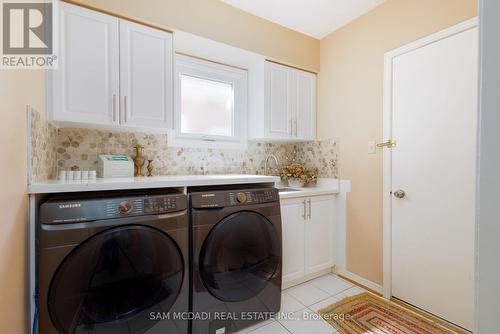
(289, 109)
(305, 105)
(112, 72)
(279, 121)
(146, 83)
(85, 87)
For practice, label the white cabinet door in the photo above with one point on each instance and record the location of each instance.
(290, 103)
(320, 233)
(85, 87)
(146, 82)
(293, 224)
(304, 105)
(277, 101)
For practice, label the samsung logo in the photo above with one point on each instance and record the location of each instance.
(69, 206)
(208, 195)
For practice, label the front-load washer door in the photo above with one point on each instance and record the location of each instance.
(239, 256)
(114, 280)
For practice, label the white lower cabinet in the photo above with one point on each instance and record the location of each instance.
(309, 227)
(293, 227)
(320, 233)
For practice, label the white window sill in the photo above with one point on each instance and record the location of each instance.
(174, 140)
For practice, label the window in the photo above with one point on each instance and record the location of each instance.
(206, 106)
(210, 104)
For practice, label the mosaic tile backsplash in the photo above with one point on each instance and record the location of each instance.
(43, 147)
(78, 149)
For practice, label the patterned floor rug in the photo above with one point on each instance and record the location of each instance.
(368, 314)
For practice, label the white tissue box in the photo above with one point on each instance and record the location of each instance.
(110, 165)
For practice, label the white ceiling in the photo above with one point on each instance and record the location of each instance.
(316, 18)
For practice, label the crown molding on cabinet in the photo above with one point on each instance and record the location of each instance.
(120, 16)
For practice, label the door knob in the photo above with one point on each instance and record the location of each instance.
(399, 193)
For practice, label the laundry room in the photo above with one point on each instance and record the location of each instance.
(237, 166)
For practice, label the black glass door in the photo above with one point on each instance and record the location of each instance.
(114, 277)
(239, 256)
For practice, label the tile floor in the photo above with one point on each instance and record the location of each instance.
(304, 301)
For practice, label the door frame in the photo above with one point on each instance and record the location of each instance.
(387, 131)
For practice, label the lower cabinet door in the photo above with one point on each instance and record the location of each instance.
(293, 226)
(320, 233)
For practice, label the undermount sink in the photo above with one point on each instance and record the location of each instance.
(282, 190)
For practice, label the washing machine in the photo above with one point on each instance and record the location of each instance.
(113, 262)
(236, 258)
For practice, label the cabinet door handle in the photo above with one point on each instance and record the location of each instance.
(305, 210)
(296, 128)
(310, 208)
(125, 108)
(114, 107)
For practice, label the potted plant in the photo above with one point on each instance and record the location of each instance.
(297, 176)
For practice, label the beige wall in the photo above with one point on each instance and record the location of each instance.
(223, 23)
(17, 89)
(350, 107)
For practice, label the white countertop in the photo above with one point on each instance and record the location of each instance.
(323, 187)
(100, 184)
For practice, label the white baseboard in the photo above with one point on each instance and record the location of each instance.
(360, 280)
(305, 278)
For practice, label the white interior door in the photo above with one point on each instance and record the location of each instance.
(434, 117)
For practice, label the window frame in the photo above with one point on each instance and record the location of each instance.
(208, 70)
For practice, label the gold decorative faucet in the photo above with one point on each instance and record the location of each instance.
(138, 160)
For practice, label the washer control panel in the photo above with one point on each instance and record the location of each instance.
(87, 209)
(160, 204)
(148, 205)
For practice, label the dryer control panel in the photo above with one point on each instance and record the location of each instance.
(225, 198)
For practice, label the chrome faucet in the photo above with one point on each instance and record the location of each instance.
(266, 161)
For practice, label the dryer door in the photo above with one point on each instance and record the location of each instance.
(239, 256)
(114, 279)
